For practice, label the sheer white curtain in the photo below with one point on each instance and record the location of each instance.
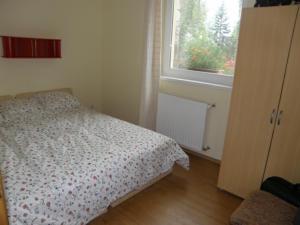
(152, 68)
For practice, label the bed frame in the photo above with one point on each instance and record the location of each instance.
(3, 211)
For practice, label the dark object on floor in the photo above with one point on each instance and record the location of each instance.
(283, 189)
(297, 218)
(262, 208)
(286, 2)
(264, 3)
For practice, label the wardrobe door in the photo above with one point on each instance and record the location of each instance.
(284, 158)
(265, 38)
(3, 211)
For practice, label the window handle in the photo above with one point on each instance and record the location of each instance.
(279, 117)
(273, 116)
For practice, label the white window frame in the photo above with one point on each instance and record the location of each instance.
(222, 80)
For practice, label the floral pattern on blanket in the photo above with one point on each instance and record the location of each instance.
(68, 168)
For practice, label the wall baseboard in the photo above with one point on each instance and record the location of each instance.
(202, 156)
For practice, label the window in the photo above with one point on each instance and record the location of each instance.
(201, 40)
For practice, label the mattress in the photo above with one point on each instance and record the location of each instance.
(68, 167)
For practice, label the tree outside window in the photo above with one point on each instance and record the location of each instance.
(205, 35)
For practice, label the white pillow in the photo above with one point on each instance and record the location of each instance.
(57, 101)
(19, 110)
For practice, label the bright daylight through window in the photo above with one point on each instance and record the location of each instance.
(201, 38)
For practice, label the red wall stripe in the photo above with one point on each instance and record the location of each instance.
(19, 47)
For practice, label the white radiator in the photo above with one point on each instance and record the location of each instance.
(183, 120)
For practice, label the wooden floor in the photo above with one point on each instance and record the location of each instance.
(183, 198)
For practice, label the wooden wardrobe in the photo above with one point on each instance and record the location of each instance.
(263, 134)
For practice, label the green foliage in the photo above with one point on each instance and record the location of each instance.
(205, 54)
(191, 24)
(220, 30)
(232, 42)
(202, 48)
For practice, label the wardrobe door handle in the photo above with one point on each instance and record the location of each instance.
(279, 118)
(273, 115)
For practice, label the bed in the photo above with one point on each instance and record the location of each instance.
(63, 163)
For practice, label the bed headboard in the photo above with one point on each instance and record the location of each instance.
(3, 211)
(5, 98)
(29, 94)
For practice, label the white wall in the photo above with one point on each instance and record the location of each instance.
(79, 25)
(124, 36)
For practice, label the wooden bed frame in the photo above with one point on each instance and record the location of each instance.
(3, 211)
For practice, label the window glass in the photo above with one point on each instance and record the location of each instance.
(205, 35)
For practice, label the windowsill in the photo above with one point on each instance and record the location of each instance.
(194, 82)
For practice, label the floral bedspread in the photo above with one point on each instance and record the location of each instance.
(67, 168)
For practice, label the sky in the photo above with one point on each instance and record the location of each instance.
(232, 8)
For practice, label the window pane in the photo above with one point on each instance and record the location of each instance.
(205, 35)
